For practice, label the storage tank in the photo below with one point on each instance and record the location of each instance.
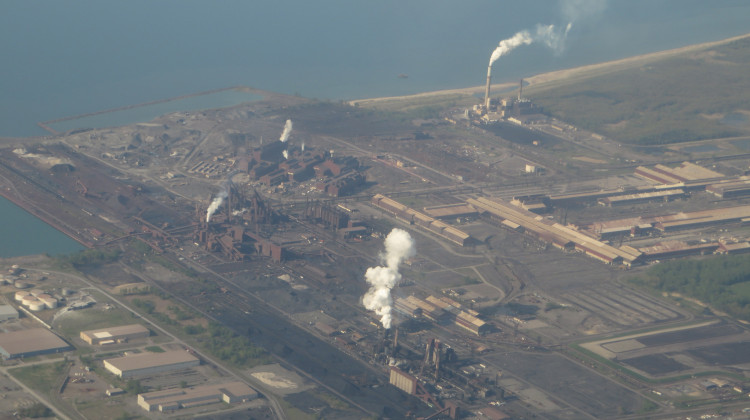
(28, 300)
(37, 292)
(37, 305)
(67, 291)
(49, 301)
(20, 295)
(20, 284)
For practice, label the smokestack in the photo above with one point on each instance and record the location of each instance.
(487, 88)
(520, 90)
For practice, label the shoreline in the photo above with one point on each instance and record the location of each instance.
(556, 75)
(45, 124)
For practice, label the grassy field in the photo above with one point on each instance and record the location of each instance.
(42, 377)
(685, 97)
(73, 322)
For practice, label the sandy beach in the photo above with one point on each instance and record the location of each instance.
(558, 76)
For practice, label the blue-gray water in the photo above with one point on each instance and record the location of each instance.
(67, 58)
(142, 113)
(23, 234)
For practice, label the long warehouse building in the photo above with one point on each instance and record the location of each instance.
(113, 335)
(145, 364)
(422, 220)
(560, 236)
(175, 399)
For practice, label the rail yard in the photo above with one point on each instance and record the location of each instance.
(513, 305)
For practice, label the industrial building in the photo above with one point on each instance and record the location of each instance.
(410, 385)
(464, 318)
(422, 220)
(8, 312)
(442, 311)
(674, 249)
(175, 399)
(33, 342)
(645, 197)
(451, 211)
(732, 189)
(144, 364)
(563, 237)
(413, 306)
(112, 335)
(687, 171)
(671, 222)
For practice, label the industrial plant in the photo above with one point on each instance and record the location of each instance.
(358, 265)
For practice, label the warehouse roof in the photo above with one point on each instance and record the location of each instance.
(18, 343)
(148, 360)
(116, 331)
(8, 310)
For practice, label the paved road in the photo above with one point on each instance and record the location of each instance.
(275, 406)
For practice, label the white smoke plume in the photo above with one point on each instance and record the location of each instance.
(216, 203)
(549, 35)
(399, 246)
(303, 147)
(285, 153)
(220, 197)
(239, 212)
(508, 45)
(287, 131)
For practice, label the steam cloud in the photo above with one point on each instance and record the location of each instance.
(220, 197)
(216, 203)
(399, 246)
(285, 153)
(287, 131)
(550, 35)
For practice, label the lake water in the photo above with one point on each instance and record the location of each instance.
(212, 100)
(24, 234)
(69, 58)
(63, 59)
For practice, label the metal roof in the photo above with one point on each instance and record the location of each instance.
(148, 360)
(18, 343)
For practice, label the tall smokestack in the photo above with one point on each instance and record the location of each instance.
(487, 88)
(520, 90)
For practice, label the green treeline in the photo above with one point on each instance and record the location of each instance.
(720, 281)
(232, 347)
(91, 257)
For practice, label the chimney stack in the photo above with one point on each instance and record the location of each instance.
(520, 89)
(487, 88)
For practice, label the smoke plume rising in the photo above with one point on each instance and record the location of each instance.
(216, 203)
(287, 131)
(285, 153)
(550, 35)
(508, 45)
(220, 197)
(399, 246)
